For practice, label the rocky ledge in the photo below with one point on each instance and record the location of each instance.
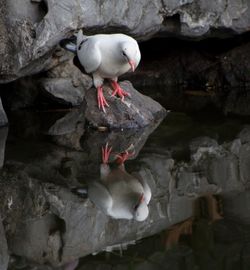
(136, 111)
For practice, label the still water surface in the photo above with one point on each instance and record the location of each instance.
(61, 202)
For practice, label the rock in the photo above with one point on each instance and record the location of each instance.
(244, 159)
(4, 253)
(26, 242)
(204, 142)
(222, 168)
(30, 39)
(244, 135)
(135, 112)
(235, 65)
(66, 84)
(237, 206)
(68, 130)
(235, 147)
(3, 116)
(3, 138)
(63, 91)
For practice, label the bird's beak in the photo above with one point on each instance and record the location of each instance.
(132, 64)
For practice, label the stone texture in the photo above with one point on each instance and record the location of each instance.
(65, 83)
(62, 91)
(31, 30)
(3, 138)
(135, 112)
(4, 254)
(3, 116)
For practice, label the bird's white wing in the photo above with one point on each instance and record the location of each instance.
(100, 196)
(146, 188)
(88, 52)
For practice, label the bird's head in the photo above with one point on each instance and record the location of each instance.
(131, 54)
(141, 209)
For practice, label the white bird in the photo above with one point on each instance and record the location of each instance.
(119, 194)
(105, 57)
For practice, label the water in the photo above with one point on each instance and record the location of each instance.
(196, 167)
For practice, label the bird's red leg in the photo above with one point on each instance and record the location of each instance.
(118, 90)
(106, 153)
(101, 99)
(121, 158)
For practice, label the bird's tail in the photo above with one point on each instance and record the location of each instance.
(69, 44)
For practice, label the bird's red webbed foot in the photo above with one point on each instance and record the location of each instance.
(118, 90)
(101, 99)
(121, 158)
(106, 153)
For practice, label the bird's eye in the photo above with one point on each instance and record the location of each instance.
(124, 53)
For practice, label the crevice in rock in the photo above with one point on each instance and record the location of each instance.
(172, 24)
(44, 7)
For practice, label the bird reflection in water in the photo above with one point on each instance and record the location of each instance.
(117, 193)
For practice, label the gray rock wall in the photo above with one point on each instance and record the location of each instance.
(32, 29)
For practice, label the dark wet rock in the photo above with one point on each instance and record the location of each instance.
(22, 93)
(135, 112)
(71, 136)
(4, 253)
(68, 123)
(68, 130)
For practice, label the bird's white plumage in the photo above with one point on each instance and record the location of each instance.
(102, 55)
(118, 193)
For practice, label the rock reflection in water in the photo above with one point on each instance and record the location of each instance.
(45, 223)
